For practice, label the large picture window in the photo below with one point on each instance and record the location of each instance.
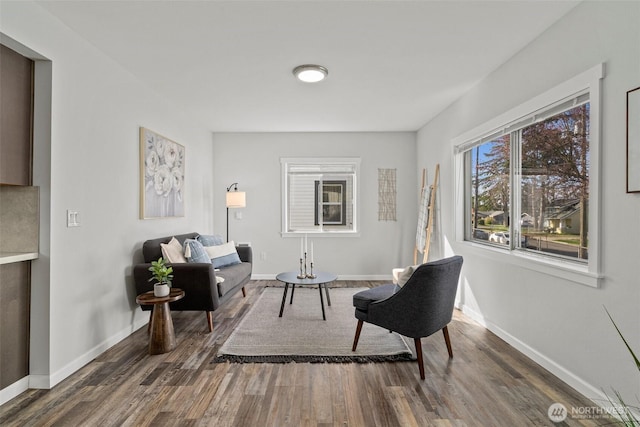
(550, 176)
(319, 195)
(527, 176)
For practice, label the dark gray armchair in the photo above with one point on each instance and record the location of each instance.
(422, 306)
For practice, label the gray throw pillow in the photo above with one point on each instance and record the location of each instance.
(194, 251)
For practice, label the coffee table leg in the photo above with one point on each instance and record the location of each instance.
(284, 298)
(321, 302)
(293, 289)
(326, 291)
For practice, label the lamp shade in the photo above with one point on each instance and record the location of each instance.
(236, 199)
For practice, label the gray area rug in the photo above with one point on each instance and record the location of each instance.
(301, 335)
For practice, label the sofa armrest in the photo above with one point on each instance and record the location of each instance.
(197, 280)
(245, 253)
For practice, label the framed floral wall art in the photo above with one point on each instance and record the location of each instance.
(162, 163)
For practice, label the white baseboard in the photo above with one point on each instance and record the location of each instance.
(13, 390)
(40, 381)
(49, 381)
(598, 397)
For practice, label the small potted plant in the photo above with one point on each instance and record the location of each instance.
(162, 274)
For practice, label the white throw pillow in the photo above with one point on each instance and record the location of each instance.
(395, 273)
(223, 255)
(172, 251)
(404, 276)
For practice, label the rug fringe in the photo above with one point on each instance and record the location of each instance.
(404, 357)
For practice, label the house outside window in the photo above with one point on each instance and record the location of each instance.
(319, 195)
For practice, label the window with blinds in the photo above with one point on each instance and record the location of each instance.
(319, 195)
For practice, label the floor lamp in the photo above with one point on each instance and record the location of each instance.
(235, 199)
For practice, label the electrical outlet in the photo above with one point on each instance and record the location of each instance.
(263, 256)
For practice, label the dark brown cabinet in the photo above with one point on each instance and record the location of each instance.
(16, 116)
(14, 322)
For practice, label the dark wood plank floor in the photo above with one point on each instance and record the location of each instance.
(487, 383)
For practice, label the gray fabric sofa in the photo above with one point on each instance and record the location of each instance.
(197, 280)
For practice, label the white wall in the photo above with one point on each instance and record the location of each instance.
(559, 323)
(253, 160)
(97, 109)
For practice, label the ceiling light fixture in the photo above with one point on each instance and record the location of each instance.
(310, 73)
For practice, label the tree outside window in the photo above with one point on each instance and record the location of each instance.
(551, 178)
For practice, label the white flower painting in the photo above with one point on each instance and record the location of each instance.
(162, 176)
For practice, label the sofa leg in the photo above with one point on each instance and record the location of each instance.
(210, 320)
(244, 293)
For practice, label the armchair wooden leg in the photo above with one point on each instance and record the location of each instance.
(244, 293)
(445, 331)
(419, 354)
(210, 320)
(357, 337)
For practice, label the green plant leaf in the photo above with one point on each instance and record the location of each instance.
(161, 272)
(635, 358)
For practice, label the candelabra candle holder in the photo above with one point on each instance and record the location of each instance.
(303, 274)
(311, 275)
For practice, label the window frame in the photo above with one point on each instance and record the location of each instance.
(586, 273)
(287, 162)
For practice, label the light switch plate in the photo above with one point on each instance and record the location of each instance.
(73, 218)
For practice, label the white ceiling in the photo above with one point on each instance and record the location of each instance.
(393, 65)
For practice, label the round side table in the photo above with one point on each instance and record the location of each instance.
(162, 338)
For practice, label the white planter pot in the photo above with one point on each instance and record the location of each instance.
(161, 290)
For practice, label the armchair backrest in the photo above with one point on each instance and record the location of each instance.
(425, 303)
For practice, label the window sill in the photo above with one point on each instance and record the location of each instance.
(563, 269)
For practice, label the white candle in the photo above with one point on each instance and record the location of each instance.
(301, 250)
(312, 252)
(305, 243)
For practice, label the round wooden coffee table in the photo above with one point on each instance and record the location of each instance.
(321, 279)
(162, 339)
